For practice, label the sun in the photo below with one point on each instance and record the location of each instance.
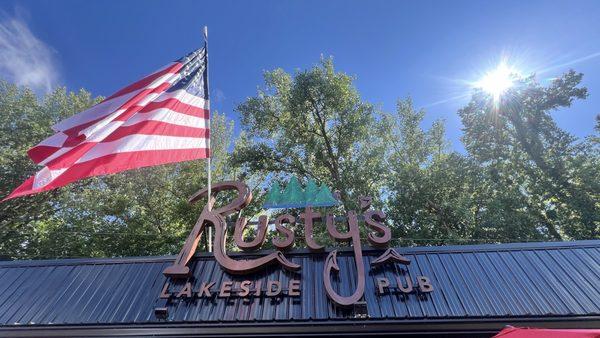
(497, 81)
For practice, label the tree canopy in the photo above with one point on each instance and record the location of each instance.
(521, 177)
(138, 212)
(551, 179)
(313, 125)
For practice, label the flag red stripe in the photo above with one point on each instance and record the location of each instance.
(156, 128)
(40, 152)
(171, 103)
(178, 106)
(148, 127)
(78, 152)
(24, 189)
(111, 164)
(107, 107)
(74, 131)
(131, 107)
(173, 68)
(71, 156)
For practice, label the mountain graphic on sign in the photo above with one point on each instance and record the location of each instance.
(294, 196)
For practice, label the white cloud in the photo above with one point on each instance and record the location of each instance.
(24, 59)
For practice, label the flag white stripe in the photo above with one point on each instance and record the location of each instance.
(105, 107)
(45, 176)
(56, 154)
(168, 116)
(159, 115)
(56, 140)
(142, 142)
(141, 102)
(185, 97)
(168, 77)
(101, 128)
(135, 142)
(101, 109)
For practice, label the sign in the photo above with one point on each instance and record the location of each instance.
(379, 236)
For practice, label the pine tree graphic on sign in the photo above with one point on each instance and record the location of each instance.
(293, 196)
(273, 196)
(325, 198)
(311, 192)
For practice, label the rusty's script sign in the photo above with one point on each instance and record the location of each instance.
(379, 236)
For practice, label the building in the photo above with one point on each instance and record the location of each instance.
(475, 291)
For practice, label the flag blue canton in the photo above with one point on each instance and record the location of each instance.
(193, 74)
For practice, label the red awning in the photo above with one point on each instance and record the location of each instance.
(515, 332)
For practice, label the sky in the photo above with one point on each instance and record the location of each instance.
(430, 50)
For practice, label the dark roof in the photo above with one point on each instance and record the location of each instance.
(472, 282)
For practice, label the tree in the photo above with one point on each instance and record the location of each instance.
(313, 125)
(431, 191)
(534, 168)
(24, 121)
(138, 212)
(522, 178)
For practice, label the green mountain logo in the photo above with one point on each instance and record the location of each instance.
(294, 196)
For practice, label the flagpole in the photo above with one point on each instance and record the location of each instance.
(208, 163)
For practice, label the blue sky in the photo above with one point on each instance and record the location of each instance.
(429, 50)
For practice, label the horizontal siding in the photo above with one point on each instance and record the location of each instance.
(471, 282)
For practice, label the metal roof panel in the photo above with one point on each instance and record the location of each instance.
(470, 282)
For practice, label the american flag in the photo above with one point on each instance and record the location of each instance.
(162, 118)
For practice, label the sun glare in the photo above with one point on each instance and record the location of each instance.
(497, 81)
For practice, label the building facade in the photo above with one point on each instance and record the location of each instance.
(466, 291)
